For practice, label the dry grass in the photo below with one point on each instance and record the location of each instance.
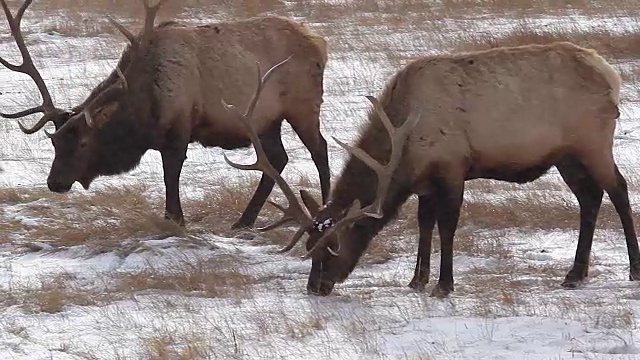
(119, 218)
(217, 276)
(291, 324)
(403, 11)
(168, 347)
(623, 44)
(531, 212)
(223, 204)
(53, 295)
(102, 221)
(13, 196)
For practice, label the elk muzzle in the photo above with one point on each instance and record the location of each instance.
(58, 186)
(318, 284)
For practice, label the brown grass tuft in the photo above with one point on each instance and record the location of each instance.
(618, 45)
(217, 276)
(223, 204)
(52, 295)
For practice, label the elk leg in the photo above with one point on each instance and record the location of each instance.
(317, 146)
(603, 168)
(274, 149)
(427, 212)
(450, 200)
(320, 158)
(172, 159)
(619, 196)
(589, 195)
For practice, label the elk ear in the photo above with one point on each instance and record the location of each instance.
(101, 115)
(311, 203)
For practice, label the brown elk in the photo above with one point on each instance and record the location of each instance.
(165, 93)
(506, 114)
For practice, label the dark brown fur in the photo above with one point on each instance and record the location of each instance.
(174, 94)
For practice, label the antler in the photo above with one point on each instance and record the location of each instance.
(113, 92)
(28, 68)
(150, 17)
(149, 20)
(294, 210)
(384, 172)
(109, 94)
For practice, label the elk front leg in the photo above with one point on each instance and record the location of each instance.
(450, 200)
(427, 212)
(172, 159)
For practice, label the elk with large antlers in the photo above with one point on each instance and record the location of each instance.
(507, 114)
(165, 93)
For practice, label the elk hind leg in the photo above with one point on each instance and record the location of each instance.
(619, 196)
(274, 149)
(607, 174)
(427, 212)
(589, 195)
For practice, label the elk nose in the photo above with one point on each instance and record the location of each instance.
(57, 186)
(323, 288)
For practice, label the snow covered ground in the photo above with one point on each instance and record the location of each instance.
(220, 294)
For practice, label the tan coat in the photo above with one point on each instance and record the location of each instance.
(502, 113)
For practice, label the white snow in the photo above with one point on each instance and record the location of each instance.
(503, 308)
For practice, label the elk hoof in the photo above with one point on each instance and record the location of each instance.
(571, 283)
(179, 220)
(323, 289)
(241, 224)
(575, 277)
(441, 291)
(418, 283)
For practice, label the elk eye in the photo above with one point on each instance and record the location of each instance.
(83, 144)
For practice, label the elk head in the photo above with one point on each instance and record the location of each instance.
(329, 229)
(82, 142)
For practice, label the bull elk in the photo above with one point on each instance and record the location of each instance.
(165, 93)
(506, 114)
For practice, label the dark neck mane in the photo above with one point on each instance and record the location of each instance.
(358, 181)
(122, 145)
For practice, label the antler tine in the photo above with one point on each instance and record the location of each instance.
(28, 68)
(286, 217)
(23, 113)
(108, 95)
(261, 81)
(128, 34)
(398, 137)
(262, 162)
(150, 16)
(21, 10)
(296, 238)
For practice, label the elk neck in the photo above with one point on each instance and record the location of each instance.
(130, 131)
(122, 143)
(360, 182)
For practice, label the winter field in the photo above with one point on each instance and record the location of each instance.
(100, 274)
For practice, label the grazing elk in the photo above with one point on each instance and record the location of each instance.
(165, 93)
(507, 114)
